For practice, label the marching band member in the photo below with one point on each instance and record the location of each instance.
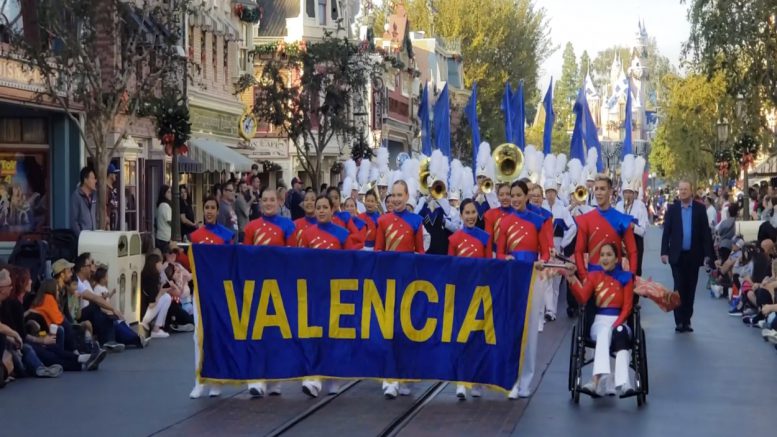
(543, 284)
(494, 216)
(470, 242)
(523, 237)
(350, 207)
(270, 229)
(434, 207)
(399, 231)
(324, 235)
(613, 291)
(485, 176)
(600, 226)
(370, 218)
(210, 233)
(631, 174)
(344, 219)
(309, 206)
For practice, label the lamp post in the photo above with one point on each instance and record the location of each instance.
(722, 127)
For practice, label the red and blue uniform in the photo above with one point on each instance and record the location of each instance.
(613, 292)
(598, 227)
(370, 219)
(524, 235)
(355, 226)
(548, 217)
(299, 227)
(400, 232)
(326, 236)
(493, 219)
(269, 231)
(212, 233)
(470, 243)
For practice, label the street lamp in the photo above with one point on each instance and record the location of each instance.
(722, 164)
(745, 162)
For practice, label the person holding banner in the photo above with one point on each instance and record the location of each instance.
(270, 229)
(302, 223)
(210, 233)
(399, 231)
(344, 219)
(493, 217)
(370, 217)
(470, 242)
(525, 238)
(324, 235)
(613, 290)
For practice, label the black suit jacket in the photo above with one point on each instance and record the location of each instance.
(701, 237)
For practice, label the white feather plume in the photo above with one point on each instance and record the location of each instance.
(381, 158)
(591, 158)
(534, 159)
(639, 170)
(396, 175)
(575, 172)
(439, 166)
(410, 169)
(561, 164)
(364, 172)
(627, 169)
(374, 173)
(467, 183)
(485, 162)
(350, 169)
(454, 182)
(346, 192)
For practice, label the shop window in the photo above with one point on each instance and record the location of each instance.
(23, 131)
(322, 12)
(24, 191)
(334, 10)
(130, 176)
(203, 55)
(310, 8)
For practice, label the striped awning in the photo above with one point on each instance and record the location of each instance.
(216, 156)
(187, 164)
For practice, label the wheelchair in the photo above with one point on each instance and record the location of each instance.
(579, 355)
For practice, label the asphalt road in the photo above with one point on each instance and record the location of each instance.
(717, 381)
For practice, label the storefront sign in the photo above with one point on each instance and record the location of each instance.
(270, 148)
(15, 75)
(214, 122)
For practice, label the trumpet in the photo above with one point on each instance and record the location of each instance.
(509, 162)
(438, 190)
(581, 193)
(486, 186)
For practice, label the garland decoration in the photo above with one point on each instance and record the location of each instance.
(172, 121)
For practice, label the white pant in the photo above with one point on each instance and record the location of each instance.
(530, 351)
(157, 311)
(601, 333)
(551, 295)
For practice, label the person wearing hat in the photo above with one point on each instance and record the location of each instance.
(112, 206)
(635, 207)
(564, 230)
(296, 197)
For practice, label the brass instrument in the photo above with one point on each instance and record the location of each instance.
(486, 186)
(509, 162)
(423, 175)
(439, 190)
(581, 193)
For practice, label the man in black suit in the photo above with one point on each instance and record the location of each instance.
(686, 245)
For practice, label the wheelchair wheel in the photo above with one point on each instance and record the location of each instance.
(644, 366)
(572, 353)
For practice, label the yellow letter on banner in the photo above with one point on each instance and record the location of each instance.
(305, 331)
(338, 309)
(426, 332)
(270, 291)
(447, 315)
(239, 323)
(383, 313)
(482, 296)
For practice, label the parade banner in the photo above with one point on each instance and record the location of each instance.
(269, 313)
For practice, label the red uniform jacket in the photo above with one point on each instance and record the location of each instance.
(354, 225)
(400, 232)
(493, 219)
(299, 227)
(212, 234)
(269, 231)
(597, 227)
(613, 290)
(524, 232)
(326, 236)
(470, 243)
(371, 221)
(548, 217)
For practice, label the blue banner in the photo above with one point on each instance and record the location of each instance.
(269, 313)
(423, 115)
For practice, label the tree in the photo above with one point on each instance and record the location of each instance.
(567, 85)
(686, 139)
(501, 40)
(105, 59)
(585, 65)
(559, 137)
(305, 90)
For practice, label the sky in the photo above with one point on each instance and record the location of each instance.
(595, 25)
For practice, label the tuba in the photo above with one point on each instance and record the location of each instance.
(509, 162)
(581, 193)
(423, 176)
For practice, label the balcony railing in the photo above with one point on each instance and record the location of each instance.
(452, 45)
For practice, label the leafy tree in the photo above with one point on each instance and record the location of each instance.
(559, 137)
(105, 59)
(312, 108)
(585, 64)
(501, 40)
(567, 85)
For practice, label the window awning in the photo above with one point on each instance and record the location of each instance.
(187, 164)
(216, 156)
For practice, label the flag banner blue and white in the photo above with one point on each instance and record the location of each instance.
(271, 313)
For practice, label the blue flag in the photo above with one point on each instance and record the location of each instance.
(442, 123)
(627, 143)
(519, 117)
(591, 136)
(356, 314)
(550, 119)
(507, 111)
(471, 112)
(423, 114)
(576, 147)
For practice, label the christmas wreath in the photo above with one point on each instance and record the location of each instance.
(337, 168)
(269, 166)
(172, 122)
(248, 14)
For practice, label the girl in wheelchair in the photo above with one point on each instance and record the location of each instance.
(613, 291)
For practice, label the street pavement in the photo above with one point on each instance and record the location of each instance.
(717, 381)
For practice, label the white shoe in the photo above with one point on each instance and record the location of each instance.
(310, 389)
(461, 392)
(257, 389)
(334, 387)
(391, 391)
(159, 334)
(590, 388)
(274, 389)
(513, 393)
(197, 391)
(404, 390)
(215, 391)
(476, 391)
(606, 386)
(625, 390)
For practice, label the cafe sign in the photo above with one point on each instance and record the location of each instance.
(270, 148)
